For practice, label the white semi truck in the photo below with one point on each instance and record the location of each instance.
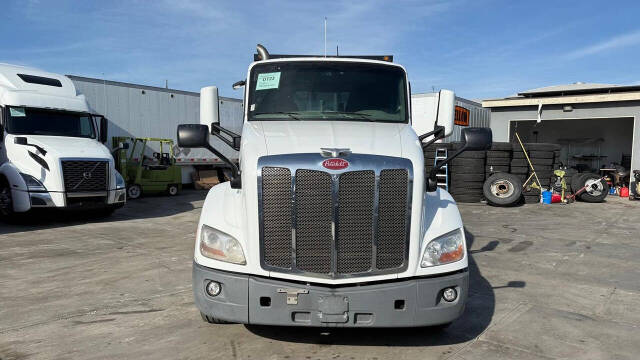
(330, 220)
(51, 147)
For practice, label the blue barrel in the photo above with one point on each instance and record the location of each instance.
(546, 197)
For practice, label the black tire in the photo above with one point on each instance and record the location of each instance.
(595, 193)
(542, 154)
(467, 198)
(501, 146)
(518, 155)
(575, 182)
(134, 191)
(472, 155)
(498, 161)
(172, 189)
(532, 199)
(462, 184)
(502, 189)
(461, 178)
(538, 161)
(6, 202)
(543, 168)
(467, 162)
(519, 169)
(540, 146)
(465, 191)
(493, 154)
(213, 319)
(490, 169)
(457, 170)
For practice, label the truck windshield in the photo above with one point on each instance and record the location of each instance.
(30, 121)
(320, 90)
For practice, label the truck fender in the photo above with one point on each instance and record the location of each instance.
(19, 191)
(440, 215)
(223, 210)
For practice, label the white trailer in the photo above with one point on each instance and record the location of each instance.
(51, 146)
(146, 111)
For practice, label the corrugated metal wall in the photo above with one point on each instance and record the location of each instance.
(145, 111)
(478, 117)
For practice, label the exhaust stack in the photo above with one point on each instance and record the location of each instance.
(262, 51)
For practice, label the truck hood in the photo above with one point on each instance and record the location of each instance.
(284, 137)
(69, 147)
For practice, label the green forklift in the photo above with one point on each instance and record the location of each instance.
(144, 174)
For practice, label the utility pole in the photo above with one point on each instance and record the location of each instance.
(325, 36)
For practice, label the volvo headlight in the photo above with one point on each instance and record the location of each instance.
(444, 249)
(218, 245)
(33, 184)
(120, 184)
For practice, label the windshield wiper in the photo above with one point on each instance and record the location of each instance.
(361, 115)
(290, 113)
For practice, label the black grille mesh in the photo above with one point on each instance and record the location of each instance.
(392, 207)
(276, 200)
(310, 210)
(83, 176)
(314, 204)
(355, 221)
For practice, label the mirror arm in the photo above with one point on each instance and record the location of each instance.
(438, 133)
(431, 179)
(216, 129)
(236, 183)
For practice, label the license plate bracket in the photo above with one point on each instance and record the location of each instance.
(333, 309)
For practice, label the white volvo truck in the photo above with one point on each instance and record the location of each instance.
(330, 219)
(51, 147)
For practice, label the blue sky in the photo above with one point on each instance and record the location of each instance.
(480, 49)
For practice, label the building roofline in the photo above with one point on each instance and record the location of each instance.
(142, 87)
(559, 100)
(583, 91)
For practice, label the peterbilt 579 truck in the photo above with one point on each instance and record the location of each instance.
(51, 147)
(330, 219)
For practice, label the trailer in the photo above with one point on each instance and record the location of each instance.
(141, 111)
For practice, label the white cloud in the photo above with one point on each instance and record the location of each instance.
(620, 41)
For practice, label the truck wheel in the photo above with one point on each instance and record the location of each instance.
(213, 319)
(502, 189)
(172, 189)
(134, 191)
(6, 203)
(596, 189)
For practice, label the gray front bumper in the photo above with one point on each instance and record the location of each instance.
(400, 303)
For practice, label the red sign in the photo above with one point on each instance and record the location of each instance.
(335, 164)
(461, 116)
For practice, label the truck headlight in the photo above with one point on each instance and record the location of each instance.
(218, 245)
(444, 249)
(120, 184)
(33, 184)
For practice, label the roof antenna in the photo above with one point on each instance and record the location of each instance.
(325, 36)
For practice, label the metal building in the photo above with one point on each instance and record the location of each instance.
(596, 124)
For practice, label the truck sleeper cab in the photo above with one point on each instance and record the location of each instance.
(330, 219)
(51, 147)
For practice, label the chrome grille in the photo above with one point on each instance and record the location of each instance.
(355, 216)
(332, 223)
(84, 175)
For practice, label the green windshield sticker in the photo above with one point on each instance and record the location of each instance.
(268, 81)
(17, 112)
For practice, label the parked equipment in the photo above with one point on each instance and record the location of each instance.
(145, 174)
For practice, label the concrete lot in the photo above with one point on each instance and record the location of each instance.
(546, 282)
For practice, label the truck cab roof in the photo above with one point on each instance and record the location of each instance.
(31, 87)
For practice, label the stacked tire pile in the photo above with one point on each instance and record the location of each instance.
(498, 158)
(466, 172)
(542, 158)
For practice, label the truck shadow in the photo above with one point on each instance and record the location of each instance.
(152, 206)
(474, 321)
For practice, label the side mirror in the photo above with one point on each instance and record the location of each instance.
(193, 136)
(20, 140)
(446, 111)
(477, 139)
(104, 126)
(209, 105)
(238, 84)
(124, 146)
